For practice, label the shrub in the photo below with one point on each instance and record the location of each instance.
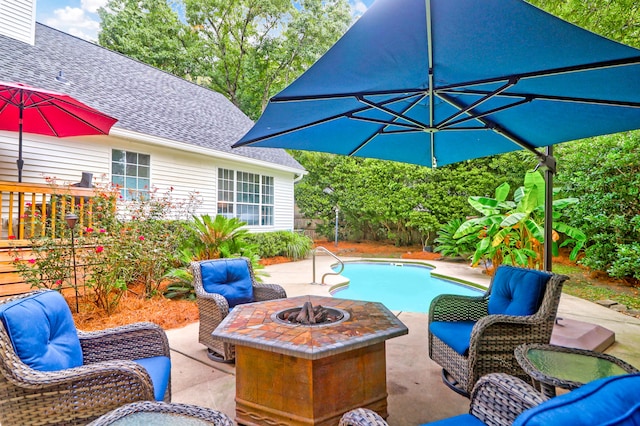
(627, 264)
(208, 237)
(126, 242)
(281, 243)
(604, 173)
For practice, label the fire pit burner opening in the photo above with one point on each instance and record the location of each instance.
(308, 314)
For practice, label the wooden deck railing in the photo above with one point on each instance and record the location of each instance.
(24, 207)
(29, 211)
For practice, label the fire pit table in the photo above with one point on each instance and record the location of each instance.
(309, 374)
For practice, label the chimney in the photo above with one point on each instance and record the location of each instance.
(18, 20)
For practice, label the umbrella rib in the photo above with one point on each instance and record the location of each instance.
(47, 100)
(381, 130)
(552, 71)
(324, 120)
(547, 97)
(409, 127)
(587, 101)
(484, 114)
(397, 115)
(393, 132)
(489, 95)
(75, 116)
(408, 92)
(48, 123)
(496, 128)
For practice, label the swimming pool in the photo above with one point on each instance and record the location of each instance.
(399, 286)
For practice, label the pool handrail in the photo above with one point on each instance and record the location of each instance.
(324, 250)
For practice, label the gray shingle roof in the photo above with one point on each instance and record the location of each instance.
(143, 98)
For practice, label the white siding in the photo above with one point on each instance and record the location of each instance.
(18, 19)
(284, 203)
(187, 173)
(43, 156)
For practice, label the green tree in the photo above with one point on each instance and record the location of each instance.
(603, 172)
(247, 50)
(607, 182)
(149, 31)
(404, 203)
(618, 20)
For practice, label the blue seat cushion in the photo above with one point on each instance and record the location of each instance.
(604, 402)
(230, 278)
(42, 331)
(456, 334)
(461, 420)
(517, 291)
(159, 368)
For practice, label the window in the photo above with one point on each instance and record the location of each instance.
(131, 172)
(247, 196)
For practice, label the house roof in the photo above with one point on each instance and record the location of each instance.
(144, 99)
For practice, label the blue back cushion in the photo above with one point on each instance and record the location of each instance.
(42, 331)
(228, 277)
(605, 402)
(517, 291)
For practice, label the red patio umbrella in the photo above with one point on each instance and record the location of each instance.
(32, 110)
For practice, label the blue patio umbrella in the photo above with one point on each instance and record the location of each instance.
(434, 82)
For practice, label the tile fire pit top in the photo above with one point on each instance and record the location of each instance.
(252, 325)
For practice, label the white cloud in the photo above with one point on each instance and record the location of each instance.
(358, 8)
(75, 21)
(92, 6)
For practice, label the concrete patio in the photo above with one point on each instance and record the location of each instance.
(416, 392)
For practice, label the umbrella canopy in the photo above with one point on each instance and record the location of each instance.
(31, 110)
(434, 82)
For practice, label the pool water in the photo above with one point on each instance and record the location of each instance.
(400, 287)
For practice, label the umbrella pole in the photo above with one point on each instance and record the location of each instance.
(548, 208)
(20, 161)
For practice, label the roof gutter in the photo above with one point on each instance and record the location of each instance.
(183, 146)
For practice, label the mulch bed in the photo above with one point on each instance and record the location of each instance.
(179, 313)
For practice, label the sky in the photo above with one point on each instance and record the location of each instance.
(80, 18)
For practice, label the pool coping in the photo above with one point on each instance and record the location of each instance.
(342, 285)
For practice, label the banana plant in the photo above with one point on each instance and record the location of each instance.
(511, 232)
(449, 246)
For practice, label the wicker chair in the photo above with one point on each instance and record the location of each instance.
(473, 336)
(106, 379)
(499, 399)
(166, 414)
(226, 276)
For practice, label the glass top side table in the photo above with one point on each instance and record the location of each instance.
(567, 368)
(152, 413)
